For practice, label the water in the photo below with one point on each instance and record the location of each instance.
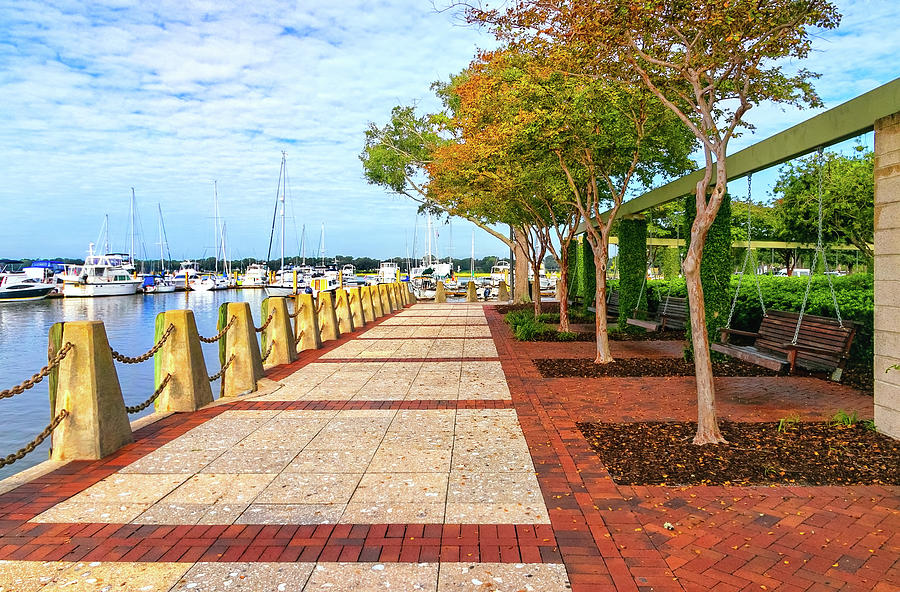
(129, 321)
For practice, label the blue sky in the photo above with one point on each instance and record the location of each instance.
(165, 97)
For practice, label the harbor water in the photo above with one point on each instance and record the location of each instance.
(129, 321)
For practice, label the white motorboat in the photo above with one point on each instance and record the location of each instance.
(257, 274)
(101, 275)
(158, 284)
(186, 273)
(500, 272)
(208, 282)
(16, 286)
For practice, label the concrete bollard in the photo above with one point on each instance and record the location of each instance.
(365, 296)
(395, 294)
(411, 296)
(343, 312)
(277, 334)
(87, 386)
(404, 293)
(377, 303)
(354, 296)
(306, 323)
(328, 323)
(471, 294)
(239, 341)
(182, 357)
(386, 301)
(440, 294)
(503, 292)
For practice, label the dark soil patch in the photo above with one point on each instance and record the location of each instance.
(861, 378)
(625, 367)
(804, 453)
(642, 335)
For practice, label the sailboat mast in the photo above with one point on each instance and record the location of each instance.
(322, 246)
(162, 264)
(131, 252)
(283, 195)
(216, 221)
(303, 244)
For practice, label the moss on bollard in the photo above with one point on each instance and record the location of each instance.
(342, 311)
(307, 334)
(87, 386)
(328, 323)
(181, 356)
(240, 341)
(471, 294)
(277, 334)
(440, 294)
(354, 296)
(503, 292)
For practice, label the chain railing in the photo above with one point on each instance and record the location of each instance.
(221, 333)
(52, 363)
(294, 314)
(153, 397)
(266, 324)
(143, 357)
(221, 372)
(268, 351)
(21, 452)
(299, 336)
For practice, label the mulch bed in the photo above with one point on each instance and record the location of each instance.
(630, 367)
(803, 453)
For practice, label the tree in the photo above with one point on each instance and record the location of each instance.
(709, 63)
(848, 199)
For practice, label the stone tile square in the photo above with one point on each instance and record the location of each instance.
(29, 576)
(251, 461)
(169, 459)
(494, 488)
(330, 461)
(116, 576)
(488, 459)
(393, 513)
(390, 460)
(247, 577)
(223, 513)
(310, 488)
(503, 577)
(172, 513)
(291, 514)
(130, 488)
(209, 488)
(402, 487)
(496, 513)
(373, 577)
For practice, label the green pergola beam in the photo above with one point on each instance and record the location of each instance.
(757, 244)
(840, 123)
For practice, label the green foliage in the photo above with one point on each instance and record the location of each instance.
(787, 423)
(848, 198)
(531, 330)
(582, 273)
(849, 420)
(855, 295)
(716, 266)
(566, 336)
(670, 263)
(527, 327)
(632, 266)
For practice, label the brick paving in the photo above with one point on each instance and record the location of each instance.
(470, 472)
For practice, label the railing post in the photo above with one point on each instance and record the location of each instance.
(398, 292)
(386, 302)
(503, 292)
(307, 323)
(471, 294)
(239, 341)
(377, 304)
(328, 324)
(278, 334)
(342, 310)
(440, 294)
(410, 295)
(365, 297)
(87, 386)
(357, 312)
(182, 357)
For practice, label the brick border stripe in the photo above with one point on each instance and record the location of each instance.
(395, 543)
(343, 405)
(457, 359)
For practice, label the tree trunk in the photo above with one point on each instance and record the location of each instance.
(564, 290)
(604, 355)
(536, 291)
(520, 254)
(707, 426)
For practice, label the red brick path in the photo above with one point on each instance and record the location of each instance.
(725, 538)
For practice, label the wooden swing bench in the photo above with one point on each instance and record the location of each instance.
(822, 343)
(672, 314)
(612, 306)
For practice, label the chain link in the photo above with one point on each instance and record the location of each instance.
(39, 376)
(299, 337)
(294, 314)
(266, 324)
(219, 335)
(21, 452)
(268, 351)
(221, 372)
(144, 357)
(152, 398)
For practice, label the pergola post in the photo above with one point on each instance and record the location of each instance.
(887, 282)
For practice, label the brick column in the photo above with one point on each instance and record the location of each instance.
(887, 281)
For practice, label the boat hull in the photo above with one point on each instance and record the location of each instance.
(160, 289)
(105, 289)
(25, 295)
(280, 291)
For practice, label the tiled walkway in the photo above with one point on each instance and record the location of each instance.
(391, 460)
(426, 453)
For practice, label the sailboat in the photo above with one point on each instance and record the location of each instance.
(208, 282)
(430, 270)
(287, 280)
(160, 284)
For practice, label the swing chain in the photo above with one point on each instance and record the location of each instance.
(746, 260)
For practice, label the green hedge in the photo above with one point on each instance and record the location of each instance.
(716, 266)
(855, 296)
(582, 275)
(632, 266)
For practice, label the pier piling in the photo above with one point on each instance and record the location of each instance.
(471, 294)
(87, 386)
(278, 334)
(377, 304)
(342, 311)
(182, 357)
(240, 341)
(306, 323)
(440, 294)
(503, 292)
(387, 304)
(328, 323)
(357, 311)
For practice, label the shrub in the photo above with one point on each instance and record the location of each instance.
(566, 336)
(531, 330)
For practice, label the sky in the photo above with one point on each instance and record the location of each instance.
(167, 97)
